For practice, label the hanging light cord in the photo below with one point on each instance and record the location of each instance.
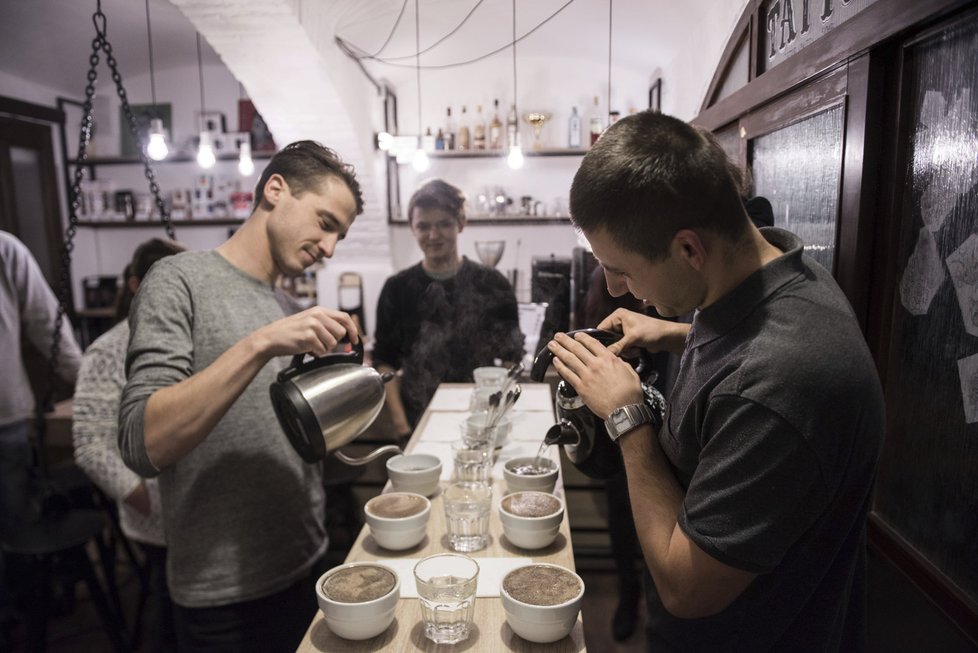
(515, 108)
(200, 75)
(610, 11)
(417, 59)
(349, 47)
(152, 74)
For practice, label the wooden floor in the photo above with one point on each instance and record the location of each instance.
(900, 619)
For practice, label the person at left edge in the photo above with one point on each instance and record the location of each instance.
(244, 515)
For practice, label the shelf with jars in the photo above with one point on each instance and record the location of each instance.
(218, 196)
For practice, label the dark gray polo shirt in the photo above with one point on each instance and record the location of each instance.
(774, 430)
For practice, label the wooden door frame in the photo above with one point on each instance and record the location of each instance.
(37, 137)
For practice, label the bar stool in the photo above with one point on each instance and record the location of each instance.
(62, 537)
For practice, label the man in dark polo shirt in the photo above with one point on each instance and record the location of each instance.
(750, 493)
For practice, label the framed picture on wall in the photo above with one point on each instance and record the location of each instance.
(251, 122)
(211, 121)
(143, 113)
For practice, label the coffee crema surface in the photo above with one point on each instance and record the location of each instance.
(530, 504)
(359, 584)
(396, 506)
(541, 585)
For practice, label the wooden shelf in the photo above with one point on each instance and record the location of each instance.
(506, 220)
(156, 224)
(502, 154)
(176, 158)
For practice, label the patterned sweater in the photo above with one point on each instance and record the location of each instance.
(95, 431)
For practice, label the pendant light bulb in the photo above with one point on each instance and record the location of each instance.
(156, 149)
(515, 158)
(205, 151)
(420, 161)
(245, 165)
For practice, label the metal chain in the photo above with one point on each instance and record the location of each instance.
(75, 199)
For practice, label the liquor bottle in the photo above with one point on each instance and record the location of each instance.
(440, 140)
(449, 130)
(512, 125)
(479, 130)
(574, 129)
(462, 140)
(597, 125)
(496, 129)
(428, 141)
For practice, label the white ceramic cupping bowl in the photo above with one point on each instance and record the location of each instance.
(541, 623)
(531, 532)
(398, 533)
(358, 620)
(416, 472)
(539, 482)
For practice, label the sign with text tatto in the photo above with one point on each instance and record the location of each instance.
(787, 26)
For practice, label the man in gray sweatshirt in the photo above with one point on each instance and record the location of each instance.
(244, 515)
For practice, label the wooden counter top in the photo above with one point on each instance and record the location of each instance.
(491, 632)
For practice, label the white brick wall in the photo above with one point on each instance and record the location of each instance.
(283, 53)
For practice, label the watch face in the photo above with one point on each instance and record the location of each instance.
(620, 419)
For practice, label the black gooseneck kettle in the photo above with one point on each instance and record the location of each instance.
(325, 402)
(578, 430)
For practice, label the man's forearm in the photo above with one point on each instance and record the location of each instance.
(690, 583)
(179, 417)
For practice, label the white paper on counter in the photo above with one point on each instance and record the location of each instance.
(533, 396)
(446, 426)
(491, 573)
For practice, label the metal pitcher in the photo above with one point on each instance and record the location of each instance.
(326, 402)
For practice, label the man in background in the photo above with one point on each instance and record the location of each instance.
(440, 319)
(95, 435)
(28, 309)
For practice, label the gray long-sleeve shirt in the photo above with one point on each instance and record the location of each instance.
(244, 515)
(28, 307)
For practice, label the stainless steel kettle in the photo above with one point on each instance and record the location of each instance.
(578, 430)
(324, 403)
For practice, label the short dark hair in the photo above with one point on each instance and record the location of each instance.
(438, 194)
(303, 165)
(143, 259)
(650, 175)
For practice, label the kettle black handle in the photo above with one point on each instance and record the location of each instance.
(297, 366)
(545, 357)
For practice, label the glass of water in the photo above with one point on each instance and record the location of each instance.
(446, 588)
(472, 460)
(467, 514)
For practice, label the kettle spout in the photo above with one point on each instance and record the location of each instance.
(386, 377)
(563, 432)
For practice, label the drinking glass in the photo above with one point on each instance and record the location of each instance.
(467, 515)
(446, 585)
(473, 460)
(474, 428)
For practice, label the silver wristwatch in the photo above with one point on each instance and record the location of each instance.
(626, 418)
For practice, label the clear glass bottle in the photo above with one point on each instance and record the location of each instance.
(496, 129)
(597, 124)
(512, 126)
(428, 141)
(462, 140)
(449, 130)
(479, 130)
(574, 129)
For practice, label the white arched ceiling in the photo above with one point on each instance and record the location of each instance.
(282, 51)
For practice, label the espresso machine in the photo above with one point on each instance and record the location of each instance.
(580, 432)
